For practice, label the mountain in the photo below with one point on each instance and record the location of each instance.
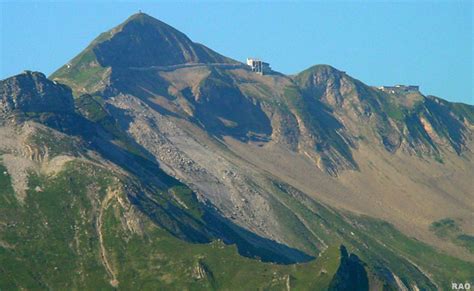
(151, 161)
(140, 42)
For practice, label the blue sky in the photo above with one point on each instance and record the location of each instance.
(428, 43)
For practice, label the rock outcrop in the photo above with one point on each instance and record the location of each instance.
(33, 92)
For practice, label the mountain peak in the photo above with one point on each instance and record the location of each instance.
(141, 41)
(316, 78)
(321, 70)
(144, 41)
(142, 17)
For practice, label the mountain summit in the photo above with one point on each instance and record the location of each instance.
(140, 42)
(143, 41)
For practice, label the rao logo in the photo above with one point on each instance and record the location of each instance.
(461, 286)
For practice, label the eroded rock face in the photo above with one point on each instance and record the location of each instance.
(33, 92)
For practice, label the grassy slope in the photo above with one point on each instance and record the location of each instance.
(377, 243)
(84, 74)
(52, 235)
(53, 243)
(448, 228)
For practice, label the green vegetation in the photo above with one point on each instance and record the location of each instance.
(296, 230)
(53, 242)
(377, 243)
(90, 77)
(448, 228)
(467, 241)
(170, 263)
(8, 195)
(91, 107)
(443, 268)
(393, 110)
(83, 74)
(50, 237)
(186, 196)
(445, 227)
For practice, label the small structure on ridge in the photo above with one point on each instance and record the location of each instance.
(258, 66)
(400, 88)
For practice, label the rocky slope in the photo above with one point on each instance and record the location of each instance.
(405, 121)
(193, 147)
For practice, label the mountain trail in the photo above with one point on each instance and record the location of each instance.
(103, 252)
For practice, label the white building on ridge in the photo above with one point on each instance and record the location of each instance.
(399, 88)
(258, 66)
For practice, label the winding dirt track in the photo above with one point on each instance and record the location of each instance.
(103, 253)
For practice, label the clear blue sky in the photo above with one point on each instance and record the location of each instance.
(429, 43)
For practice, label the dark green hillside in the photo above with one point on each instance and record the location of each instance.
(53, 240)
